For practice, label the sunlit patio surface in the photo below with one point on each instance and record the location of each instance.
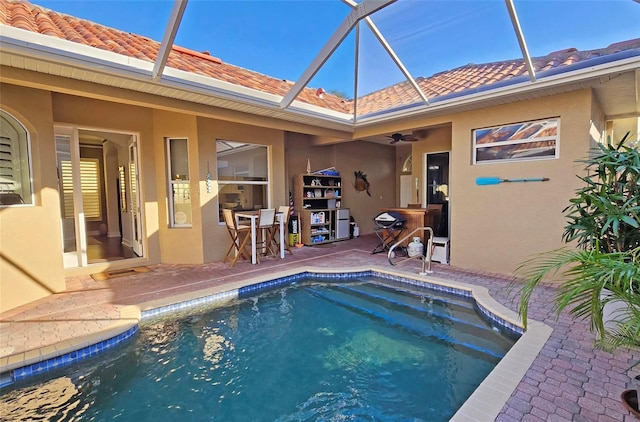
(569, 380)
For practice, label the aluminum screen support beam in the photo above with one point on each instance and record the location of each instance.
(382, 40)
(523, 45)
(169, 36)
(363, 10)
(355, 74)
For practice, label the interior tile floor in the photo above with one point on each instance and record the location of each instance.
(106, 249)
(570, 380)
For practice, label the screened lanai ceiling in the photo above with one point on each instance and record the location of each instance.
(354, 63)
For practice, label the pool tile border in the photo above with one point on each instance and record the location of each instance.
(187, 304)
(65, 359)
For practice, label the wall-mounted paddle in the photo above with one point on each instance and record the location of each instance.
(497, 180)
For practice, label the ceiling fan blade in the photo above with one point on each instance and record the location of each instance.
(409, 138)
(397, 137)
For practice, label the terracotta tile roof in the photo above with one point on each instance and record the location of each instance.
(24, 15)
(473, 76)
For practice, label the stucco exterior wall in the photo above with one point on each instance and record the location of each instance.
(31, 265)
(378, 163)
(178, 245)
(110, 116)
(206, 241)
(215, 239)
(495, 228)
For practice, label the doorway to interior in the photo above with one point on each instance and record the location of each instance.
(436, 176)
(99, 195)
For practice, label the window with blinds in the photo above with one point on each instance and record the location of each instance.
(123, 188)
(15, 175)
(6, 165)
(90, 185)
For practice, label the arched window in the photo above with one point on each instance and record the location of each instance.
(407, 167)
(15, 166)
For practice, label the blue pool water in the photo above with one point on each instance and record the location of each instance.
(357, 349)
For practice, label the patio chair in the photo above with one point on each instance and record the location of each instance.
(266, 230)
(285, 210)
(240, 236)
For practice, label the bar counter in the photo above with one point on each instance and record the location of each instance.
(415, 217)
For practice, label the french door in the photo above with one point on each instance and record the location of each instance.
(134, 209)
(74, 235)
(84, 199)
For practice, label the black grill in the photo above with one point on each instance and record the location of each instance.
(389, 226)
(390, 219)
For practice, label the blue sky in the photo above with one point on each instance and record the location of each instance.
(281, 38)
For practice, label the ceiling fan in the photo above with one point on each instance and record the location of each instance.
(397, 137)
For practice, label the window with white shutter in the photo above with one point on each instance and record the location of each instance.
(90, 183)
(15, 172)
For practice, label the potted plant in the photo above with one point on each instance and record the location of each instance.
(602, 269)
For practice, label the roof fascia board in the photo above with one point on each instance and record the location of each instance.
(169, 37)
(510, 90)
(199, 83)
(55, 50)
(363, 10)
(254, 116)
(38, 46)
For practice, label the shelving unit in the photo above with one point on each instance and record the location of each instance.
(317, 198)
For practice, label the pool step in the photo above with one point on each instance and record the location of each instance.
(404, 290)
(432, 298)
(415, 306)
(419, 325)
(460, 311)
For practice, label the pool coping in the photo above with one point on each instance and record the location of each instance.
(484, 404)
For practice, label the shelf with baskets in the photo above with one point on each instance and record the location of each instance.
(312, 191)
(317, 198)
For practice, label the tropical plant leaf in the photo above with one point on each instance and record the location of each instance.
(603, 223)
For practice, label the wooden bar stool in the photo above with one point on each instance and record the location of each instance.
(266, 228)
(240, 236)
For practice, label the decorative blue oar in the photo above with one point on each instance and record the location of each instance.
(496, 180)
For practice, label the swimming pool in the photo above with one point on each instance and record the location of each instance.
(287, 354)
